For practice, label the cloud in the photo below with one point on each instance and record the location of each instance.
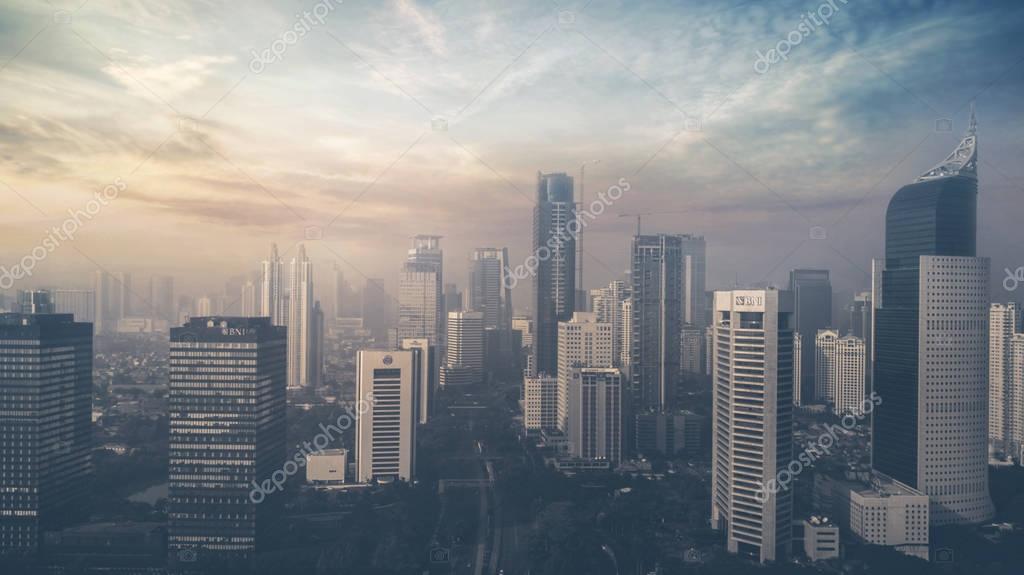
(425, 23)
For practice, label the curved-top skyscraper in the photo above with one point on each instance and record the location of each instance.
(931, 332)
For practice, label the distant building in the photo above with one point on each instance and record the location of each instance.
(35, 301)
(554, 282)
(812, 301)
(524, 325)
(386, 433)
(825, 366)
(464, 359)
(227, 389)
(850, 378)
(428, 376)
(1006, 396)
(45, 425)
(694, 272)
(595, 414)
(326, 468)
(821, 539)
(691, 340)
(540, 403)
(421, 301)
(669, 433)
(798, 353)
(303, 372)
(273, 288)
(582, 342)
(607, 306)
(79, 303)
(657, 297)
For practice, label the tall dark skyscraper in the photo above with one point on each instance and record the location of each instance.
(377, 309)
(657, 275)
(45, 424)
(554, 282)
(227, 434)
(812, 301)
(931, 337)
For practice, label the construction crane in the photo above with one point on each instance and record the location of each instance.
(640, 215)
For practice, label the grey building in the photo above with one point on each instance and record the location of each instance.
(812, 301)
(554, 282)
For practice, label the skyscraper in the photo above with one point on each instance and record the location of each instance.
(850, 380)
(35, 302)
(657, 320)
(464, 356)
(301, 371)
(488, 289)
(753, 421)
(554, 282)
(825, 343)
(79, 303)
(420, 295)
(694, 272)
(861, 326)
(272, 288)
(607, 307)
(582, 342)
(45, 424)
(227, 434)
(595, 413)
(428, 375)
(386, 432)
(161, 298)
(1005, 401)
(690, 343)
(812, 298)
(931, 335)
(250, 300)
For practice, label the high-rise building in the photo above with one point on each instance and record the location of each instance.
(931, 338)
(35, 302)
(626, 341)
(272, 288)
(317, 335)
(105, 320)
(377, 309)
(386, 433)
(250, 300)
(690, 343)
(489, 292)
(607, 306)
(825, 366)
(161, 298)
(1004, 410)
(669, 433)
(694, 252)
(798, 353)
(124, 296)
(861, 326)
(420, 296)
(540, 403)
(595, 413)
(582, 342)
(79, 303)
(524, 325)
(428, 375)
(753, 421)
(1015, 413)
(45, 425)
(554, 282)
(812, 298)
(850, 380)
(227, 434)
(301, 370)
(464, 357)
(657, 320)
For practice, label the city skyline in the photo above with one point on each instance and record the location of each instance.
(876, 121)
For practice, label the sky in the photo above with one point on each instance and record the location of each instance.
(352, 125)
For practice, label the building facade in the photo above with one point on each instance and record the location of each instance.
(554, 282)
(386, 432)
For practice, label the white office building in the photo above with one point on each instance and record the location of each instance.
(849, 375)
(386, 431)
(1004, 398)
(540, 403)
(825, 366)
(752, 421)
(582, 342)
